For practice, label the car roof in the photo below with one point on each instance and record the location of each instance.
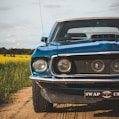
(85, 18)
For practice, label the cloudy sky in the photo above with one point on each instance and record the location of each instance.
(23, 22)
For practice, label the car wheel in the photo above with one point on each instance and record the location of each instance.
(39, 103)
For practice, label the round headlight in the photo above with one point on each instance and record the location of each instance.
(97, 66)
(39, 65)
(115, 65)
(64, 65)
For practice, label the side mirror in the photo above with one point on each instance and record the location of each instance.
(44, 39)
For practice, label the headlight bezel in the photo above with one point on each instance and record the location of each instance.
(67, 63)
(112, 65)
(40, 65)
(94, 67)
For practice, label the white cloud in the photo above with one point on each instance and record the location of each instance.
(20, 21)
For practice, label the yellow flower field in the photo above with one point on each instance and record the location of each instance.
(17, 58)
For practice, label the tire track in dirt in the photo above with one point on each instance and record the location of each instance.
(20, 109)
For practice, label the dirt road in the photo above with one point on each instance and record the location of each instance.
(21, 108)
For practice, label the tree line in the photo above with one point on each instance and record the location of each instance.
(13, 51)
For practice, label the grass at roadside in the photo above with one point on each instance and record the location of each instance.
(13, 76)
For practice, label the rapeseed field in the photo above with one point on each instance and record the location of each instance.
(16, 58)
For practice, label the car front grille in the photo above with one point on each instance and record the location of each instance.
(86, 64)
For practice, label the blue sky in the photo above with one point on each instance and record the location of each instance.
(20, 20)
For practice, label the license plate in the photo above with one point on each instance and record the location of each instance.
(103, 94)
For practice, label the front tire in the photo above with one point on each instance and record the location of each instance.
(39, 103)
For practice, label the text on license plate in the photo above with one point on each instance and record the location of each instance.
(103, 94)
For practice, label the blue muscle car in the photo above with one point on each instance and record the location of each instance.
(79, 63)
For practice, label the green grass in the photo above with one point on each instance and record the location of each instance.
(13, 76)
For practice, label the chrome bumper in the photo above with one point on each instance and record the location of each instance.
(73, 80)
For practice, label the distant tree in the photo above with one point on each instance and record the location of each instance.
(3, 51)
(13, 51)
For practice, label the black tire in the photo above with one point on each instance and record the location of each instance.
(39, 103)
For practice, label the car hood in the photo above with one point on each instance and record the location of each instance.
(99, 46)
(45, 51)
(57, 49)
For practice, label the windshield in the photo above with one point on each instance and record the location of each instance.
(87, 30)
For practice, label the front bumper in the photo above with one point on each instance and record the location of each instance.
(56, 91)
(59, 93)
(72, 80)
(59, 97)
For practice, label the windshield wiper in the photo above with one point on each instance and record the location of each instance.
(105, 39)
(66, 40)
